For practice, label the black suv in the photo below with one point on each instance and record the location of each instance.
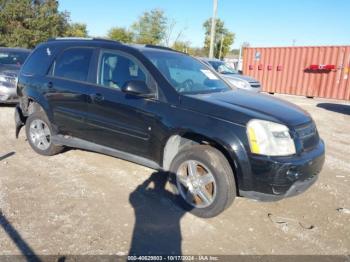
(166, 110)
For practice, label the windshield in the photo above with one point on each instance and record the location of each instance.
(222, 67)
(13, 57)
(186, 74)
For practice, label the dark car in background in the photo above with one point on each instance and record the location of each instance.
(166, 110)
(233, 76)
(11, 60)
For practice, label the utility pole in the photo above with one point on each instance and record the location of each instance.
(238, 68)
(212, 32)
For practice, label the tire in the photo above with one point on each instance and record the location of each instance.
(41, 131)
(214, 176)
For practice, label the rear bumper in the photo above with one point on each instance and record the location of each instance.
(277, 178)
(8, 94)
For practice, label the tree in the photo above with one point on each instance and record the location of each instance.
(14, 23)
(76, 30)
(197, 51)
(47, 21)
(181, 46)
(171, 35)
(187, 48)
(120, 34)
(25, 23)
(235, 52)
(150, 27)
(222, 34)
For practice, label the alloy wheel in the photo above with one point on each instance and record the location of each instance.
(40, 134)
(196, 184)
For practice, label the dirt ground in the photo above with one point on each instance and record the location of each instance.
(86, 203)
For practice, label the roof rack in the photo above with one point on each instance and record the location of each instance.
(106, 40)
(84, 39)
(160, 47)
(69, 38)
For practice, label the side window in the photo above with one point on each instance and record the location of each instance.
(116, 69)
(73, 64)
(39, 61)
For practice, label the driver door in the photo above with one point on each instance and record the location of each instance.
(116, 119)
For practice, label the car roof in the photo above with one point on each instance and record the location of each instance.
(107, 43)
(15, 49)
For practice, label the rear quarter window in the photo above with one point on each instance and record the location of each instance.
(39, 61)
(73, 64)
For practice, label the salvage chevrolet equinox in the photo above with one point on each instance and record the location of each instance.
(168, 111)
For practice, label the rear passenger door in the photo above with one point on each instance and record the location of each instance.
(67, 89)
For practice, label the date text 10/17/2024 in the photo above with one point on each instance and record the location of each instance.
(173, 258)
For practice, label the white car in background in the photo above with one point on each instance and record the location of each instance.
(11, 60)
(232, 76)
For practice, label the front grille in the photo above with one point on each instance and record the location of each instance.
(12, 80)
(308, 136)
(9, 80)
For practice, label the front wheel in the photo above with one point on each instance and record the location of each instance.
(204, 180)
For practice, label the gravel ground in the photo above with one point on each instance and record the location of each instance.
(81, 202)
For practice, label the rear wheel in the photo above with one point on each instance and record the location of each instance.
(204, 181)
(39, 134)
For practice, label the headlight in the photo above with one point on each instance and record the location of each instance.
(239, 83)
(269, 138)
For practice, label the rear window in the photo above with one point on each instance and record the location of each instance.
(13, 57)
(39, 61)
(73, 64)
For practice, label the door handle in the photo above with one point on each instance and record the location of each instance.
(97, 97)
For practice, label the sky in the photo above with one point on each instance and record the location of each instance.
(261, 23)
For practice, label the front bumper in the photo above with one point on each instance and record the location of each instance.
(8, 94)
(274, 178)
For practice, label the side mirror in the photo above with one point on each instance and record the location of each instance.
(138, 88)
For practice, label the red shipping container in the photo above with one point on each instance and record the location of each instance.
(294, 70)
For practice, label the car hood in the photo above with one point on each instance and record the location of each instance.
(240, 106)
(238, 76)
